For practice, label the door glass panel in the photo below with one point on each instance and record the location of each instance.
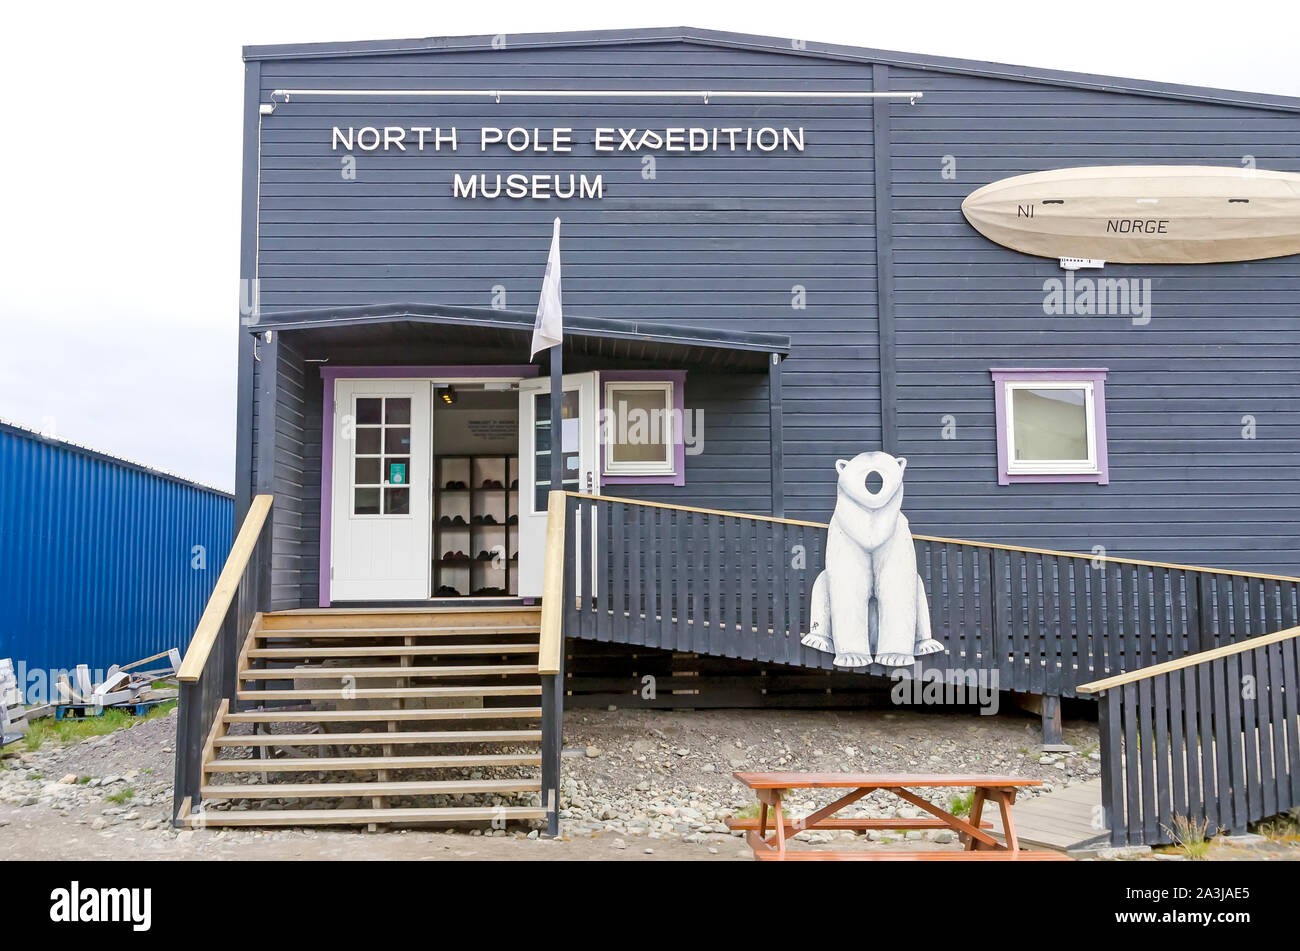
(369, 409)
(366, 501)
(569, 444)
(397, 410)
(1050, 424)
(367, 472)
(397, 439)
(367, 441)
(397, 501)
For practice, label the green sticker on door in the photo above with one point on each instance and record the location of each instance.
(397, 473)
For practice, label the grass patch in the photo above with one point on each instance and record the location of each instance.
(749, 812)
(121, 796)
(960, 805)
(1191, 836)
(75, 729)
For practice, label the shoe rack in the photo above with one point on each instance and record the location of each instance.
(475, 526)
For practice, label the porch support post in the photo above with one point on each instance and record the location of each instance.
(268, 393)
(776, 430)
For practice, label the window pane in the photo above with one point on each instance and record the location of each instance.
(365, 501)
(638, 427)
(367, 472)
(397, 409)
(397, 501)
(368, 409)
(367, 441)
(397, 439)
(1050, 424)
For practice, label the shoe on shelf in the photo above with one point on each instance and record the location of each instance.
(447, 590)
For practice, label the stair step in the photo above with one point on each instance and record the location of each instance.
(394, 693)
(431, 787)
(415, 650)
(344, 716)
(339, 817)
(370, 673)
(316, 764)
(382, 739)
(457, 630)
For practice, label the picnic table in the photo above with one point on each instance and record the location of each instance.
(974, 832)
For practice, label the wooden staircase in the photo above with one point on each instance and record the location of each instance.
(377, 717)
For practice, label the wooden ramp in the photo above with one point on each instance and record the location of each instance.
(1059, 819)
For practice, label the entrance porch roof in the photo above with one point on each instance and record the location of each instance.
(596, 338)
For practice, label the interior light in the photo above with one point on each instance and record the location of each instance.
(448, 394)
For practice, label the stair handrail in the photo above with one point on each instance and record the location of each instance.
(207, 677)
(1188, 660)
(209, 626)
(940, 539)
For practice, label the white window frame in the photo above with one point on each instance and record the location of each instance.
(1051, 466)
(666, 467)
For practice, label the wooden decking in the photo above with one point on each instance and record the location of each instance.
(1059, 819)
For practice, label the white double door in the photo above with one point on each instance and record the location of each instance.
(381, 530)
(382, 482)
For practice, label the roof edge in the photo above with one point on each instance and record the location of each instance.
(723, 38)
(521, 321)
(25, 432)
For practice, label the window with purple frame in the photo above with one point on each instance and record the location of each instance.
(1051, 424)
(642, 427)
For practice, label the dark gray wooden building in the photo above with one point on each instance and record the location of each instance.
(790, 269)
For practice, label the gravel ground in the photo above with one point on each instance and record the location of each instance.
(637, 785)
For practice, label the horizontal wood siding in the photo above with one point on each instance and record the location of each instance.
(715, 240)
(1223, 341)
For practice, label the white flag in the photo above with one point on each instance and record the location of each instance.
(549, 327)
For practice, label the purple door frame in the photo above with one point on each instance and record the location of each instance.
(331, 374)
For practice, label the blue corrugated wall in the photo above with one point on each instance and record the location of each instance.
(99, 558)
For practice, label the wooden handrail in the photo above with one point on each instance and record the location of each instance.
(949, 541)
(205, 635)
(1188, 660)
(552, 622)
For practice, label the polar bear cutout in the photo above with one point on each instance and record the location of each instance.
(869, 599)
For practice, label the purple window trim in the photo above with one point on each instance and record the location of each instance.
(1094, 375)
(678, 379)
(329, 374)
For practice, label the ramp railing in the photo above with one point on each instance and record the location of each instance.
(1211, 739)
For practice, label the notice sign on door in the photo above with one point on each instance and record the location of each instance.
(397, 473)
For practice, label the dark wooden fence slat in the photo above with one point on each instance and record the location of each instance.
(1291, 701)
(1033, 603)
(1192, 740)
(636, 583)
(1160, 720)
(795, 595)
(717, 638)
(685, 581)
(1227, 723)
(1111, 725)
(776, 559)
(750, 608)
(1001, 637)
(1132, 763)
(618, 573)
(1178, 798)
(1146, 759)
(1264, 693)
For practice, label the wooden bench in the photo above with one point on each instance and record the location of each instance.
(980, 844)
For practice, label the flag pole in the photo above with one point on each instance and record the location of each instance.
(557, 413)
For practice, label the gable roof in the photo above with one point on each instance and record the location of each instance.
(770, 44)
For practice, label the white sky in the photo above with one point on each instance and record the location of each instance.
(121, 164)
